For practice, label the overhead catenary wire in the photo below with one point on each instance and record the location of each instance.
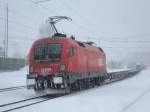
(77, 25)
(16, 37)
(18, 24)
(89, 30)
(55, 13)
(78, 14)
(82, 18)
(52, 12)
(41, 1)
(84, 28)
(42, 6)
(85, 19)
(23, 16)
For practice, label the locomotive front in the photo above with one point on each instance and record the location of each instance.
(47, 64)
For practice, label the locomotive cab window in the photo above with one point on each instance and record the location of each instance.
(50, 52)
(39, 52)
(53, 52)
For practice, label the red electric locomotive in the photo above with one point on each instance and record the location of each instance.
(62, 63)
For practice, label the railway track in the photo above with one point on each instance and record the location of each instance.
(115, 76)
(12, 88)
(27, 102)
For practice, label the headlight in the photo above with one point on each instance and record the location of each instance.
(62, 67)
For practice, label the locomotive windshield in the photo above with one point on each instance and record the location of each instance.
(50, 52)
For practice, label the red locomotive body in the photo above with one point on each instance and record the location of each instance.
(61, 63)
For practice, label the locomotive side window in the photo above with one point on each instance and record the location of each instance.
(71, 52)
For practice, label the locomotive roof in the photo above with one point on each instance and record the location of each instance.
(62, 39)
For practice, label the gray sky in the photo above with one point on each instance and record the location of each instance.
(120, 27)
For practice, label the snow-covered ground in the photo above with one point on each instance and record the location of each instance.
(15, 78)
(129, 95)
(12, 79)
